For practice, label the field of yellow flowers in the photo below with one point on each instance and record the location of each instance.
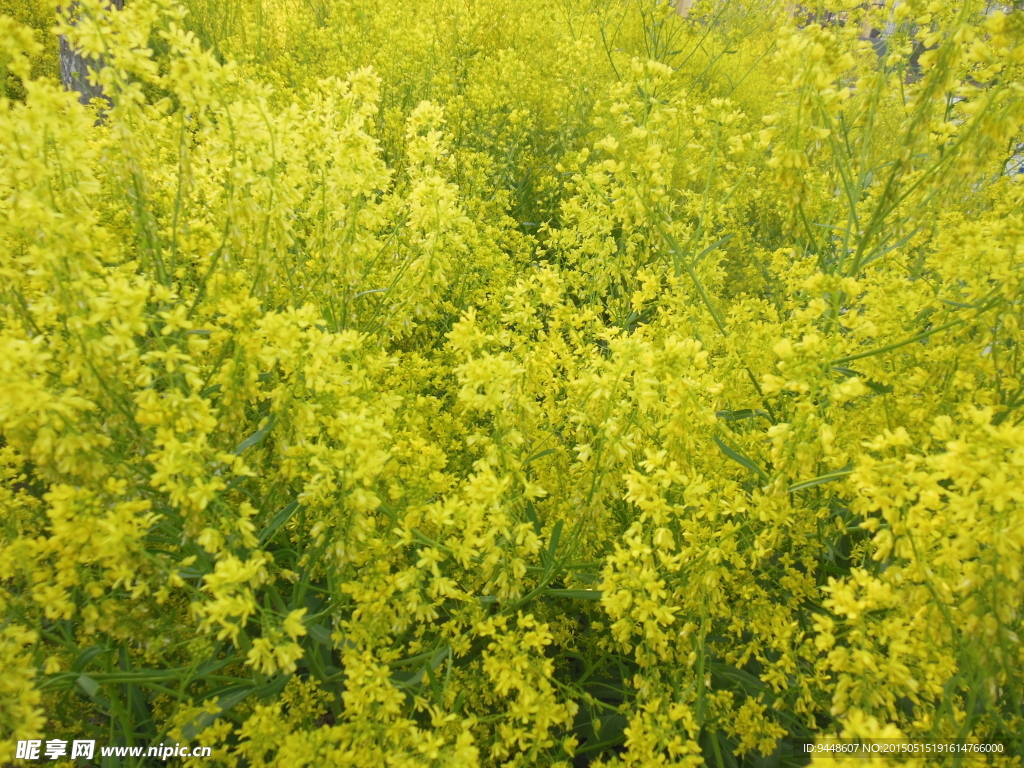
(479, 383)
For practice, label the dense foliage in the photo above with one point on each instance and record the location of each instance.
(511, 382)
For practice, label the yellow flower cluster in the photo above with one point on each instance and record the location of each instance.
(512, 383)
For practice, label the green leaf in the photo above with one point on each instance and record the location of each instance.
(426, 670)
(228, 700)
(747, 682)
(274, 687)
(742, 460)
(279, 519)
(256, 437)
(321, 635)
(574, 594)
(743, 413)
(844, 370)
(556, 535)
(828, 477)
(210, 666)
(536, 456)
(712, 247)
(82, 660)
(882, 389)
(87, 684)
(531, 515)
(879, 254)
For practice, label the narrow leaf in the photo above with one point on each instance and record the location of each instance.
(320, 634)
(227, 701)
(839, 474)
(531, 515)
(574, 594)
(274, 687)
(739, 415)
(742, 460)
(87, 684)
(256, 437)
(556, 535)
(279, 519)
(539, 455)
(83, 659)
(712, 247)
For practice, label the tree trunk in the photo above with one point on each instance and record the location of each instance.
(74, 67)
